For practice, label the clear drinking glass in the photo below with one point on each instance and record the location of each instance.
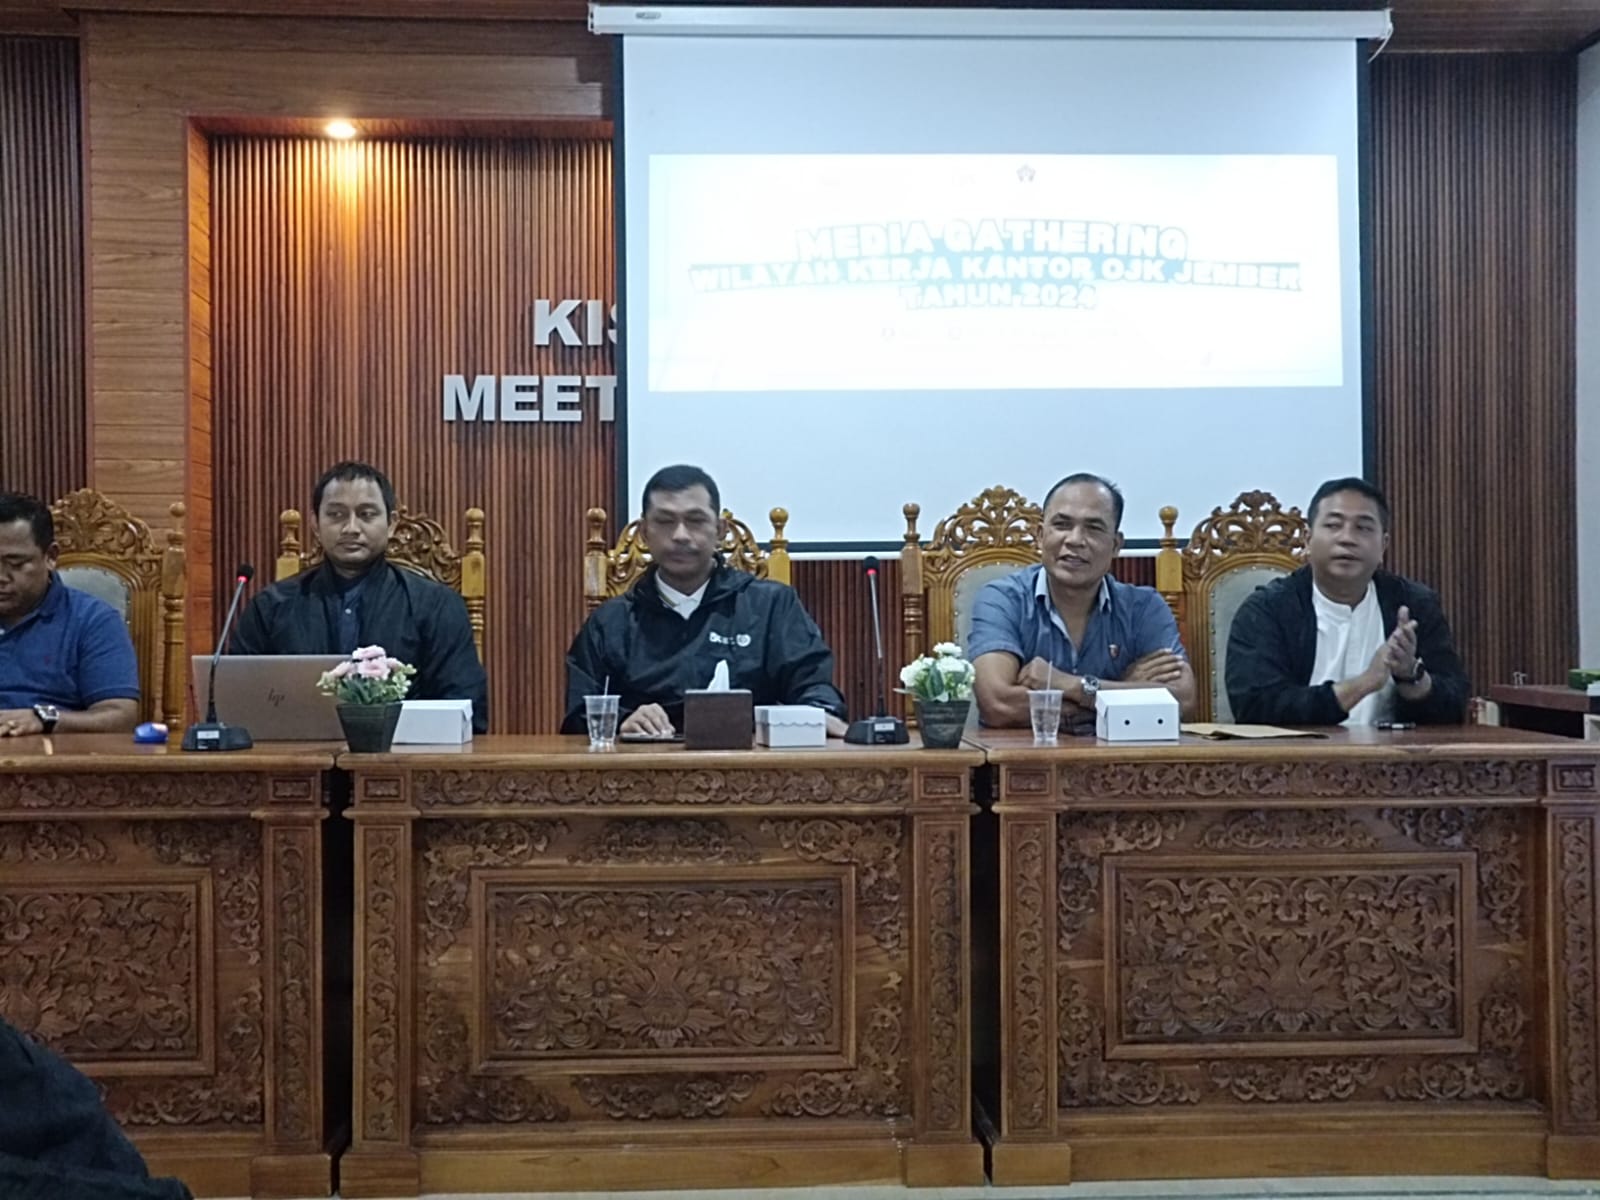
(602, 714)
(1044, 708)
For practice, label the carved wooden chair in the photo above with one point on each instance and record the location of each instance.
(1230, 554)
(418, 544)
(611, 569)
(110, 553)
(991, 535)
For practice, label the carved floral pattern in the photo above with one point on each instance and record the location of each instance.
(1293, 1080)
(946, 1087)
(1082, 839)
(378, 1029)
(232, 849)
(1028, 1088)
(103, 972)
(1492, 834)
(658, 840)
(1088, 1080)
(1290, 779)
(752, 967)
(31, 792)
(1575, 867)
(1254, 523)
(449, 1094)
(755, 788)
(50, 842)
(666, 1097)
(873, 847)
(996, 518)
(876, 1088)
(1257, 956)
(450, 849)
(1287, 829)
(233, 1096)
(297, 1077)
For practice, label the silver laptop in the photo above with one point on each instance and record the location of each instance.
(274, 696)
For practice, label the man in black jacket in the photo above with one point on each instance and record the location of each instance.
(687, 613)
(1340, 641)
(356, 597)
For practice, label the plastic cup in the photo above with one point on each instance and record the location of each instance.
(1044, 710)
(602, 714)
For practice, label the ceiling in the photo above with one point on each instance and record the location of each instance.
(1420, 25)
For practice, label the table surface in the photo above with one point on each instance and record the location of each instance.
(1543, 695)
(1446, 741)
(119, 752)
(573, 753)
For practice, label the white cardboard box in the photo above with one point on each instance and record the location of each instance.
(434, 723)
(791, 725)
(1136, 715)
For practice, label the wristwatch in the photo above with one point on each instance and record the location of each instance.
(48, 715)
(1417, 672)
(1091, 689)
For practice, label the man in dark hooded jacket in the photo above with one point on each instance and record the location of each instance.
(356, 597)
(687, 613)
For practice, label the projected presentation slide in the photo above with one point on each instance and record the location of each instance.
(789, 272)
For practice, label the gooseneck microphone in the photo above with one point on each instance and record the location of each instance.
(212, 734)
(881, 730)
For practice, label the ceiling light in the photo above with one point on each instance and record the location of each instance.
(342, 130)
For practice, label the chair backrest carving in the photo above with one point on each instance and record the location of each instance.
(108, 552)
(1228, 555)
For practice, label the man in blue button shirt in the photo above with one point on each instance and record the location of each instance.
(1067, 621)
(66, 660)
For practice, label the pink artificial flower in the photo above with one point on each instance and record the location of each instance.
(340, 670)
(373, 668)
(369, 652)
(394, 664)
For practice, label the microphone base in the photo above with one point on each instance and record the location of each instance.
(214, 735)
(878, 731)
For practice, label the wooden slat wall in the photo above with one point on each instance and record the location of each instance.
(1473, 179)
(43, 440)
(348, 280)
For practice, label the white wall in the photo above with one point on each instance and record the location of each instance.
(1588, 497)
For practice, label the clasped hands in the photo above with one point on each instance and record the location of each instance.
(1397, 658)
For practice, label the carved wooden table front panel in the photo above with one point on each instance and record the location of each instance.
(1244, 941)
(685, 969)
(162, 922)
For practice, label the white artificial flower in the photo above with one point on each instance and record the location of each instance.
(947, 650)
(911, 674)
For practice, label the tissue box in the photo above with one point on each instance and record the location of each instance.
(718, 720)
(1136, 715)
(791, 725)
(434, 723)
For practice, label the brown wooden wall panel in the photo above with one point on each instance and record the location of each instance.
(43, 439)
(147, 78)
(1473, 268)
(349, 279)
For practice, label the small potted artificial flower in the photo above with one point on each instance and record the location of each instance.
(368, 687)
(941, 685)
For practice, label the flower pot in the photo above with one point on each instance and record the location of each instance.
(942, 722)
(369, 728)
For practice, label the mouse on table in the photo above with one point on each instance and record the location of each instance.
(150, 731)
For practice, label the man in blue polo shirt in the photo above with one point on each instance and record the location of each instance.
(66, 660)
(1067, 621)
